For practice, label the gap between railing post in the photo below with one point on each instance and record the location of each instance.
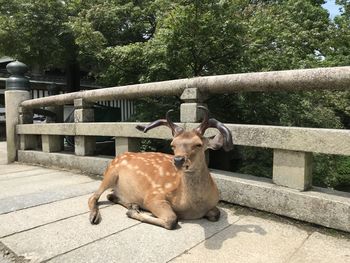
(292, 169)
(84, 112)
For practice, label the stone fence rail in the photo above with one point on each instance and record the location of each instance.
(289, 193)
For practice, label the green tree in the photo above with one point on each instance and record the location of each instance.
(32, 31)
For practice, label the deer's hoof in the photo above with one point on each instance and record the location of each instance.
(132, 213)
(113, 198)
(95, 217)
(213, 215)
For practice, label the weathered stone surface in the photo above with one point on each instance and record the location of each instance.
(82, 104)
(87, 164)
(3, 153)
(336, 78)
(25, 219)
(84, 115)
(292, 169)
(29, 142)
(251, 239)
(26, 173)
(22, 201)
(193, 95)
(48, 128)
(331, 141)
(189, 112)
(323, 248)
(84, 145)
(13, 99)
(68, 234)
(16, 168)
(148, 243)
(32, 184)
(124, 144)
(51, 143)
(320, 206)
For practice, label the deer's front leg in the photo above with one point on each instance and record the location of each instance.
(213, 214)
(161, 209)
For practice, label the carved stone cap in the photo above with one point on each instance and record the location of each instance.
(17, 80)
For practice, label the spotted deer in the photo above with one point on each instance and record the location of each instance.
(171, 187)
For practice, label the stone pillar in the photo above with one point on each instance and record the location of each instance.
(27, 141)
(17, 91)
(58, 110)
(292, 169)
(56, 141)
(124, 144)
(84, 112)
(189, 111)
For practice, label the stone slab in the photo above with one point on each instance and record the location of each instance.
(249, 240)
(18, 202)
(328, 141)
(25, 219)
(60, 237)
(4, 260)
(87, 164)
(27, 173)
(323, 248)
(292, 169)
(38, 183)
(15, 168)
(320, 206)
(148, 243)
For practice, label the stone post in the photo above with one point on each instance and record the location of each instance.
(17, 90)
(27, 141)
(124, 144)
(189, 111)
(292, 169)
(54, 143)
(84, 112)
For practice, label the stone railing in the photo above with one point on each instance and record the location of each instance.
(290, 191)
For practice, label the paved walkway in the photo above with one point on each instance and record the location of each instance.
(44, 217)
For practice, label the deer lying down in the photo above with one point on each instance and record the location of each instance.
(171, 187)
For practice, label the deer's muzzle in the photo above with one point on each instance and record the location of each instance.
(179, 161)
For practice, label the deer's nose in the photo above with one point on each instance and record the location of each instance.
(179, 161)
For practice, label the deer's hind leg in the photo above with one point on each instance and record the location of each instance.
(164, 215)
(109, 180)
(112, 197)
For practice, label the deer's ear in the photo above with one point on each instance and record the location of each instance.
(215, 142)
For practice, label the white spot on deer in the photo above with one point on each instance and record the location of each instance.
(168, 185)
(124, 162)
(167, 173)
(161, 171)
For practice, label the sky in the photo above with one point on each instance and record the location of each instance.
(332, 8)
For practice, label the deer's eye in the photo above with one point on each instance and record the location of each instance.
(199, 145)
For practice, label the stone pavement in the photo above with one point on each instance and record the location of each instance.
(44, 217)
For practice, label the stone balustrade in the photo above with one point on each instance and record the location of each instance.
(290, 192)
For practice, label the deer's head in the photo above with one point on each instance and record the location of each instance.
(189, 146)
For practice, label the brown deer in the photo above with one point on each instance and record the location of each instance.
(171, 187)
